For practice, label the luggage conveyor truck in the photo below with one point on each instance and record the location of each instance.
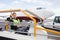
(35, 32)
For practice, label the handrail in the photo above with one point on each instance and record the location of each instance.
(14, 10)
(48, 30)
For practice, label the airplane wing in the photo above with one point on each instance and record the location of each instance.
(43, 13)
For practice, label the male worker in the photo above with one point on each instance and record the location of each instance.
(11, 20)
(15, 21)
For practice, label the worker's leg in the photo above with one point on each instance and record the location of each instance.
(14, 27)
(23, 29)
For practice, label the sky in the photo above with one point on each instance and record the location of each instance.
(52, 5)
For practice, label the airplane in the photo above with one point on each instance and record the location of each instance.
(38, 15)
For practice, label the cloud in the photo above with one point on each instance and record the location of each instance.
(38, 3)
(28, 1)
(46, 3)
(2, 5)
(16, 2)
(25, 4)
(20, 4)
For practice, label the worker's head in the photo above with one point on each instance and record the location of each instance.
(14, 15)
(43, 18)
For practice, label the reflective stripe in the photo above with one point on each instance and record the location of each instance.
(16, 21)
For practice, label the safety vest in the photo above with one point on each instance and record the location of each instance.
(16, 21)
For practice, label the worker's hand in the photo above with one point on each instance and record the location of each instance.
(44, 18)
(19, 26)
(6, 22)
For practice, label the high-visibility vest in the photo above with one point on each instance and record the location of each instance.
(16, 21)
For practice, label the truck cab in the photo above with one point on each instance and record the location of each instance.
(56, 22)
(52, 24)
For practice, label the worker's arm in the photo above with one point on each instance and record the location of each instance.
(9, 19)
